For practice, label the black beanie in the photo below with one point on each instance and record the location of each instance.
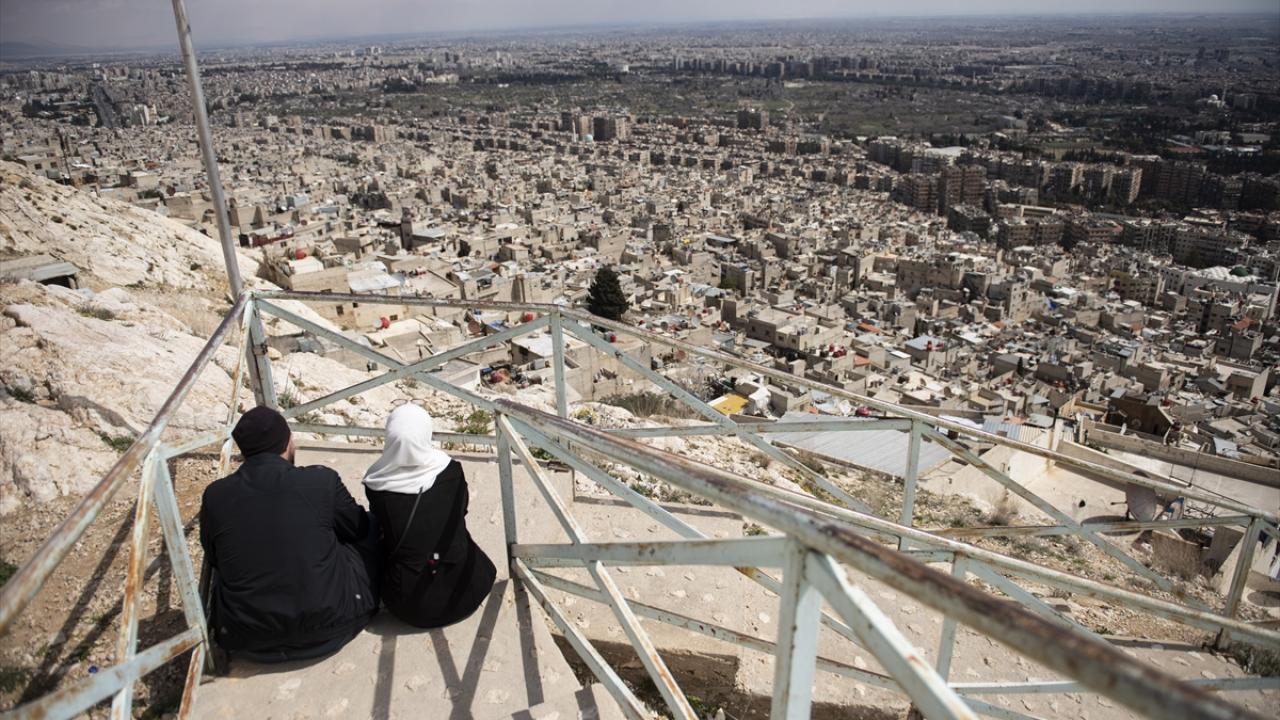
(261, 430)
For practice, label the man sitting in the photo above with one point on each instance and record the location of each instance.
(294, 557)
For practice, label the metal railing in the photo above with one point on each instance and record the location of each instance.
(819, 539)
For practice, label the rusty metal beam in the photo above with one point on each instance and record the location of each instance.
(890, 409)
(657, 668)
(27, 581)
(896, 654)
(1098, 666)
(608, 677)
(1126, 526)
(131, 605)
(407, 300)
(70, 701)
(758, 551)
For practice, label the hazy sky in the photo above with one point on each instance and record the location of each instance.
(140, 23)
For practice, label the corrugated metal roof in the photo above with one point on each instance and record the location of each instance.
(881, 450)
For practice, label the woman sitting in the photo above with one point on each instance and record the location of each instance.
(434, 574)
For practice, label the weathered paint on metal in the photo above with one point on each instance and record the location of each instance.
(377, 357)
(806, 426)
(558, 360)
(191, 684)
(713, 630)
(599, 667)
(890, 409)
(27, 581)
(903, 661)
(507, 490)
(909, 480)
(237, 379)
(657, 668)
(1244, 565)
(170, 518)
(754, 551)
(1121, 526)
(1029, 600)
(653, 510)
(947, 638)
(796, 654)
(362, 431)
(761, 444)
(408, 300)
(399, 369)
(1052, 687)
(1030, 571)
(264, 387)
(131, 606)
(1052, 511)
(68, 702)
(1099, 666)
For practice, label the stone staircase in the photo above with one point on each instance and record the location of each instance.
(504, 661)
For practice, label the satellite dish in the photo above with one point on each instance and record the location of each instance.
(1144, 505)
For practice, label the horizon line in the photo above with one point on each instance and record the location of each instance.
(73, 51)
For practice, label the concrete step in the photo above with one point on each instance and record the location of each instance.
(500, 662)
(589, 703)
(497, 662)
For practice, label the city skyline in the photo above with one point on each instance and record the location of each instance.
(65, 26)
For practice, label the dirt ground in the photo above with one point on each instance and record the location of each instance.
(69, 631)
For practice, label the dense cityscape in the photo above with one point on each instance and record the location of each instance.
(1077, 218)
(1063, 230)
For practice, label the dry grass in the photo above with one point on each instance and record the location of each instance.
(652, 404)
(189, 307)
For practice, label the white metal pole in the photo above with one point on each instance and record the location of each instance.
(206, 147)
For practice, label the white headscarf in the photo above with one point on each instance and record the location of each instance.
(409, 462)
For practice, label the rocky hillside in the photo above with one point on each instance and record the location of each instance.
(113, 242)
(82, 372)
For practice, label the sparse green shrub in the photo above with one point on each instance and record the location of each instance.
(7, 569)
(99, 313)
(478, 422)
(644, 489)
(288, 398)
(119, 443)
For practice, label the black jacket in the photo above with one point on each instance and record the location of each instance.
(417, 586)
(280, 538)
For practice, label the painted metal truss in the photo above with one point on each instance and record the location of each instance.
(806, 565)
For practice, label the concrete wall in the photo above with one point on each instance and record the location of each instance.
(1211, 463)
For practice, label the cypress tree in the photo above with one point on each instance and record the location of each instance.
(605, 297)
